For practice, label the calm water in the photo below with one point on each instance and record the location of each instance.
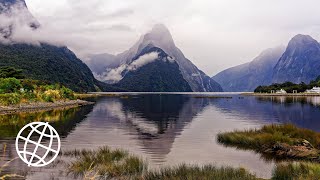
(167, 129)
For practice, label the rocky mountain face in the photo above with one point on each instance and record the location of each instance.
(161, 38)
(248, 76)
(300, 62)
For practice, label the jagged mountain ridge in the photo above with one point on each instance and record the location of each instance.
(248, 76)
(300, 62)
(160, 37)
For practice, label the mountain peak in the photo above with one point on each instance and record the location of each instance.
(160, 29)
(301, 39)
(159, 36)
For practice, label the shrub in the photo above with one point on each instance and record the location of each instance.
(66, 93)
(10, 99)
(9, 85)
(51, 95)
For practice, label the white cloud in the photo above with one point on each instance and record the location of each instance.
(214, 34)
(115, 75)
(143, 60)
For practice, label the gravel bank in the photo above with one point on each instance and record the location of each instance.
(42, 106)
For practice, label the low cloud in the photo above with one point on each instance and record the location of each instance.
(115, 75)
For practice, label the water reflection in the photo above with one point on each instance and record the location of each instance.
(63, 120)
(154, 121)
(165, 129)
(301, 111)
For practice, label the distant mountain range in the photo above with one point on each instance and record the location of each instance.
(248, 76)
(161, 39)
(299, 62)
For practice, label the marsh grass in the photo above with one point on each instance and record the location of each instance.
(297, 171)
(196, 172)
(269, 136)
(105, 163)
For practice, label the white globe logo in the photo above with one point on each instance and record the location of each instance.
(41, 153)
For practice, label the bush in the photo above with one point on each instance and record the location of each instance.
(10, 85)
(32, 90)
(51, 95)
(10, 99)
(66, 93)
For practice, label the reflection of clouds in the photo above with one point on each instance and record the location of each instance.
(115, 110)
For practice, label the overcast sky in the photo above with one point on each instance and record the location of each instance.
(214, 34)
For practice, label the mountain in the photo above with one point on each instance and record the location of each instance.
(15, 12)
(248, 76)
(156, 76)
(98, 63)
(300, 62)
(50, 63)
(161, 38)
(42, 62)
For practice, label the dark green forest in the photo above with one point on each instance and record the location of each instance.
(49, 63)
(289, 87)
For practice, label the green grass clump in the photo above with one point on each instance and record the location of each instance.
(284, 141)
(269, 135)
(105, 163)
(297, 171)
(196, 172)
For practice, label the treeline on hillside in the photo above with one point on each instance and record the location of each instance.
(289, 87)
(14, 89)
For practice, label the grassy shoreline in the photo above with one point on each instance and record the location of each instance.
(277, 141)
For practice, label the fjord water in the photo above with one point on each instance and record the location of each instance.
(166, 129)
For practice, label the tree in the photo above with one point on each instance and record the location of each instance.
(11, 72)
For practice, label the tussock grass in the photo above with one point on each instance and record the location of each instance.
(195, 172)
(269, 135)
(297, 171)
(279, 139)
(105, 163)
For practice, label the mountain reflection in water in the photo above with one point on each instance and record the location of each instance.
(166, 129)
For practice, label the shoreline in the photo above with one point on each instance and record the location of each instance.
(41, 106)
(283, 95)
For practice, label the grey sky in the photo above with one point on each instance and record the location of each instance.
(214, 34)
